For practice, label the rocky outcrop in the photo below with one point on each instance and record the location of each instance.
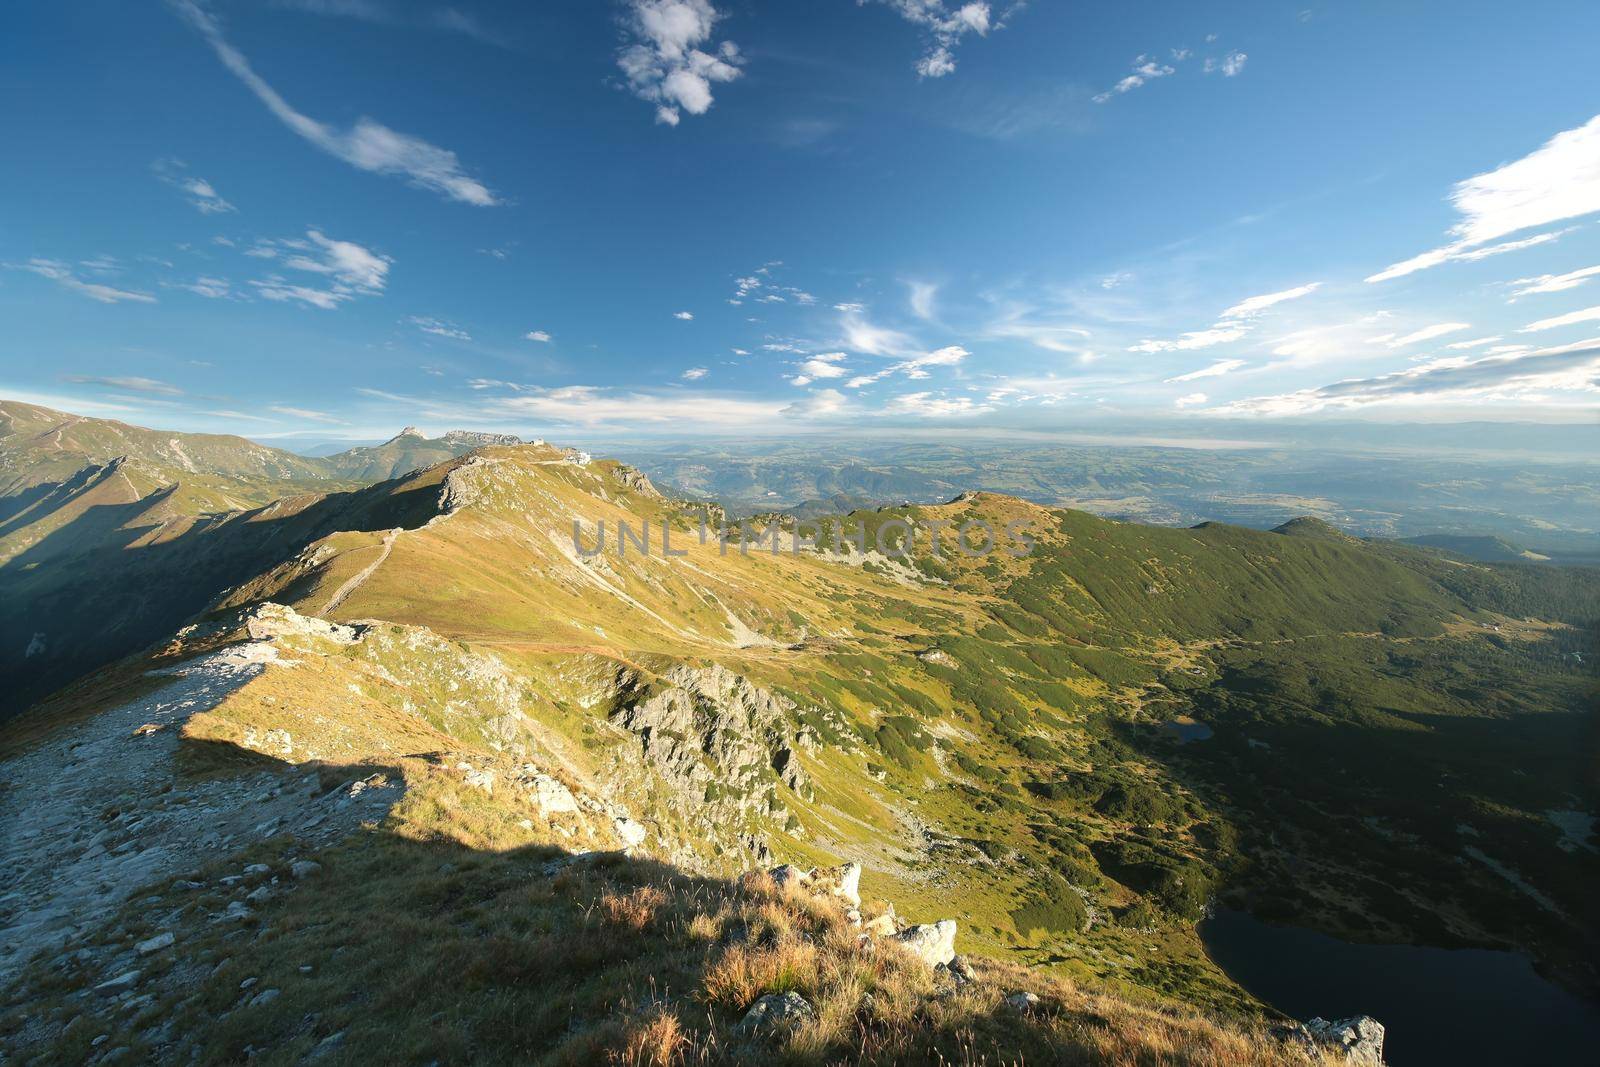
(636, 480)
(719, 739)
(268, 621)
(1359, 1037)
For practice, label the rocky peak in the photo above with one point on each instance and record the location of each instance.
(478, 439)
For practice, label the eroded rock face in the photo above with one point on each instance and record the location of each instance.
(710, 726)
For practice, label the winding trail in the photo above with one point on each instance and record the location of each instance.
(355, 582)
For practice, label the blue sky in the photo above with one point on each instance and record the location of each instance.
(335, 217)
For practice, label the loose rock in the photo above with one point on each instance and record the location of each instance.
(156, 944)
(776, 1011)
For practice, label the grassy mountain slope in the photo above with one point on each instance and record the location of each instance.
(988, 736)
(79, 495)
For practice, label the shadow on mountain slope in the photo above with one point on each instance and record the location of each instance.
(116, 577)
(426, 937)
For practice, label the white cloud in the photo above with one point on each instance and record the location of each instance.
(1586, 315)
(921, 298)
(1145, 70)
(368, 145)
(537, 335)
(740, 351)
(1460, 346)
(862, 336)
(945, 26)
(1190, 400)
(1229, 65)
(1428, 333)
(825, 365)
(1558, 181)
(1219, 334)
(915, 367)
(1215, 370)
(663, 62)
(349, 263)
(352, 270)
(136, 385)
(62, 275)
(1460, 254)
(684, 315)
(441, 18)
(208, 287)
(1512, 377)
(927, 405)
(277, 289)
(818, 403)
(1255, 305)
(587, 405)
(439, 328)
(305, 413)
(1552, 283)
(850, 308)
(201, 193)
(694, 374)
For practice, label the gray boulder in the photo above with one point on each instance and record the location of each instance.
(1023, 1002)
(156, 943)
(933, 943)
(776, 1011)
(120, 984)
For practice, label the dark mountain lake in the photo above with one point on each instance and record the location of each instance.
(1441, 1006)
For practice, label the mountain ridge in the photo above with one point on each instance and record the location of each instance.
(985, 733)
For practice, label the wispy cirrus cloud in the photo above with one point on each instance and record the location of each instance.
(1558, 181)
(915, 367)
(663, 61)
(1573, 369)
(445, 18)
(199, 192)
(1571, 318)
(1235, 323)
(63, 275)
(1552, 283)
(1220, 334)
(1255, 305)
(352, 270)
(368, 145)
(1427, 333)
(439, 327)
(1215, 370)
(131, 384)
(306, 413)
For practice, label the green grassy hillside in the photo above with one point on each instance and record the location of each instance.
(1388, 734)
